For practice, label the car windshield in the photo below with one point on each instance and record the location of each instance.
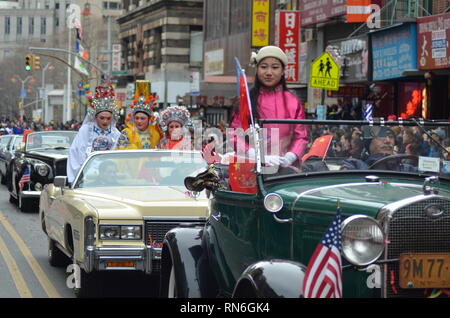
(139, 168)
(17, 142)
(406, 147)
(49, 140)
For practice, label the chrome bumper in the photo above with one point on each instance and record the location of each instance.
(142, 257)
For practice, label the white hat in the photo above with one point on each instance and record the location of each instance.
(268, 51)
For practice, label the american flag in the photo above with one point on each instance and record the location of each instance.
(25, 178)
(323, 278)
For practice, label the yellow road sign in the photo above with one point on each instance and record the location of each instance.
(324, 73)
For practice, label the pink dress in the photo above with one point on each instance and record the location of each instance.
(279, 104)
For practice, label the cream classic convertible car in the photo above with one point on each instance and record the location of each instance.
(116, 213)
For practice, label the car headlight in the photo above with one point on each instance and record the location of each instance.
(131, 232)
(362, 240)
(118, 232)
(273, 202)
(42, 170)
(109, 232)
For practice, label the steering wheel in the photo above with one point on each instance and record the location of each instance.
(393, 159)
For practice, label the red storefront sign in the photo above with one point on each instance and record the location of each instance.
(316, 11)
(287, 37)
(433, 49)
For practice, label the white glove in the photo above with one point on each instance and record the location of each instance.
(288, 159)
(272, 160)
(226, 158)
(251, 153)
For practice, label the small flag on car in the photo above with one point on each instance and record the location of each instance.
(319, 147)
(25, 178)
(323, 277)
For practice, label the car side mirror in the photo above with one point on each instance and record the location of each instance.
(60, 182)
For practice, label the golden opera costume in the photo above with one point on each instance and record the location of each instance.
(91, 137)
(132, 137)
(181, 115)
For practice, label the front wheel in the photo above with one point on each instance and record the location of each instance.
(88, 284)
(56, 257)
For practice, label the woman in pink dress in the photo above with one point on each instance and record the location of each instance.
(271, 99)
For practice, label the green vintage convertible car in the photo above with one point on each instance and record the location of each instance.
(262, 233)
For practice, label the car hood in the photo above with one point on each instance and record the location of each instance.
(138, 202)
(355, 198)
(51, 153)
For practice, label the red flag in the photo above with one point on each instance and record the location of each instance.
(25, 133)
(319, 147)
(242, 177)
(358, 10)
(323, 277)
(244, 109)
(245, 113)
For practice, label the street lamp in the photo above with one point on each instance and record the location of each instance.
(23, 92)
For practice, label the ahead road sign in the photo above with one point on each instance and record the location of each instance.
(324, 73)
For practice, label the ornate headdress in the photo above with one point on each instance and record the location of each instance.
(143, 101)
(144, 105)
(104, 100)
(174, 113)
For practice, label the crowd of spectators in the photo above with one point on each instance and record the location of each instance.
(17, 127)
(353, 142)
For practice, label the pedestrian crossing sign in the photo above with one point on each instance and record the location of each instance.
(324, 73)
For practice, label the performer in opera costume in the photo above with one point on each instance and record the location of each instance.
(98, 131)
(143, 131)
(174, 121)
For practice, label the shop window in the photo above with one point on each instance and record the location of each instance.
(411, 98)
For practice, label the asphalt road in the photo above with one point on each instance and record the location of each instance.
(26, 273)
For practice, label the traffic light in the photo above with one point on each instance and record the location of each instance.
(36, 62)
(29, 62)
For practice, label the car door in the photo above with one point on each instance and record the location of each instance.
(54, 216)
(232, 232)
(6, 141)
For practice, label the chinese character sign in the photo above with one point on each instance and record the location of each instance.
(260, 23)
(287, 37)
(433, 41)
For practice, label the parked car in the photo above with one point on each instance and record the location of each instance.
(115, 214)
(395, 231)
(42, 156)
(7, 153)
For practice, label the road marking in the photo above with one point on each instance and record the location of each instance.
(37, 269)
(21, 286)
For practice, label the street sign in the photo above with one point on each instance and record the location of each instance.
(325, 73)
(23, 93)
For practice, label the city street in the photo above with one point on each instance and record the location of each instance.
(26, 273)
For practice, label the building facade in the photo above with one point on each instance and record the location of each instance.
(162, 42)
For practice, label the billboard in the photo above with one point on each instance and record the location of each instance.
(394, 50)
(433, 34)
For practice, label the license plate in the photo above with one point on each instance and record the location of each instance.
(425, 270)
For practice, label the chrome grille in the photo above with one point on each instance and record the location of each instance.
(412, 231)
(156, 230)
(61, 167)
